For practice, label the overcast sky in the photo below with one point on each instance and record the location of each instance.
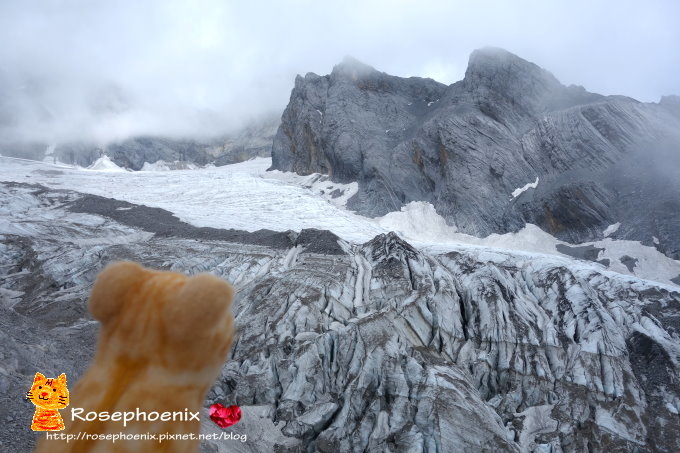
(108, 69)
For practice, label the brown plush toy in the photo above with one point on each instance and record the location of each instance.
(164, 338)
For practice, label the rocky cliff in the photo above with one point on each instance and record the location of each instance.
(506, 146)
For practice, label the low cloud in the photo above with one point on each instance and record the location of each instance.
(102, 70)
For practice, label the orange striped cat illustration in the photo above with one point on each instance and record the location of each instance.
(48, 395)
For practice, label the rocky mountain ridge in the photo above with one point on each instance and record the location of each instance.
(466, 148)
(253, 140)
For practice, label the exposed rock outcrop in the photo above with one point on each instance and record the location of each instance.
(466, 148)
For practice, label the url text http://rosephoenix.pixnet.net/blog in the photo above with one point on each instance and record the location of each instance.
(162, 437)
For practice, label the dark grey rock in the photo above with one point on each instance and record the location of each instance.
(164, 223)
(466, 147)
(319, 241)
(133, 153)
(629, 262)
(586, 252)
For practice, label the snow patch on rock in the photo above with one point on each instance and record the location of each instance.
(418, 220)
(334, 192)
(611, 229)
(519, 191)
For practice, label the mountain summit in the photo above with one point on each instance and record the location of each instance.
(468, 147)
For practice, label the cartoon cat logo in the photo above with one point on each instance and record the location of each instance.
(48, 395)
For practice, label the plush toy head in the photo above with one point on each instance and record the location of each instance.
(163, 340)
(164, 321)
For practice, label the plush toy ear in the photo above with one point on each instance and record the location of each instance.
(62, 378)
(112, 284)
(39, 377)
(203, 301)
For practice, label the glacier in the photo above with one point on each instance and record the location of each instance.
(352, 337)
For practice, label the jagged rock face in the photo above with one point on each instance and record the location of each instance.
(373, 347)
(362, 106)
(253, 140)
(465, 148)
(133, 153)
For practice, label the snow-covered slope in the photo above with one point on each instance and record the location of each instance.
(162, 165)
(247, 197)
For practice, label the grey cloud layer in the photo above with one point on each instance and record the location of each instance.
(107, 70)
